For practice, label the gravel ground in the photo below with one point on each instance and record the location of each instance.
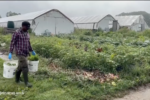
(4, 57)
(143, 93)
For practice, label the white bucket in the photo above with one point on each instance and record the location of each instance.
(9, 71)
(33, 66)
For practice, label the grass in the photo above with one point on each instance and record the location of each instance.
(48, 85)
(124, 53)
(45, 86)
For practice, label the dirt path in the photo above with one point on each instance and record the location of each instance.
(4, 57)
(142, 93)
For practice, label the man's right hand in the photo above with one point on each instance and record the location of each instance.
(9, 56)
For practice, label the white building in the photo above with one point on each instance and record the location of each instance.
(53, 21)
(94, 22)
(133, 22)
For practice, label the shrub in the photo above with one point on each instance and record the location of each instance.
(131, 33)
(1, 30)
(118, 51)
(100, 30)
(124, 30)
(88, 33)
(146, 33)
(98, 33)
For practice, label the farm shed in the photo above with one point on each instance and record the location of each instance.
(134, 22)
(94, 22)
(43, 21)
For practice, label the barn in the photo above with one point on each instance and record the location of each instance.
(104, 23)
(52, 21)
(133, 22)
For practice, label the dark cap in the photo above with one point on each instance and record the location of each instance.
(25, 23)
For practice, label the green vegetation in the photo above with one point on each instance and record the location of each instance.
(11, 64)
(124, 53)
(33, 58)
(1, 30)
(12, 14)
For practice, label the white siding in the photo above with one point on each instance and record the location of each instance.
(134, 22)
(137, 25)
(85, 26)
(127, 20)
(146, 26)
(3, 24)
(54, 22)
(46, 20)
(106, 23)
(93, 22)
(17, 24)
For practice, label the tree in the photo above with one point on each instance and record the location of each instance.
(11, 14)
(0, 16)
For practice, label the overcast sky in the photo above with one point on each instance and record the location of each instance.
(75, 8)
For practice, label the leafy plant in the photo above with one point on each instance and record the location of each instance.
(88, 33)
(11, 64)
(33, 58)
(125, 53)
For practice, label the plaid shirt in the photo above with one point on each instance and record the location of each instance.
(21, 42)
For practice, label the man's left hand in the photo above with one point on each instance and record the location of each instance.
(33, 53)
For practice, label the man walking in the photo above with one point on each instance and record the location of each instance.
(21, 42)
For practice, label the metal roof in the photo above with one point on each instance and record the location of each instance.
(127, 20)
(84, 26)
(29, 16)
(88, 19)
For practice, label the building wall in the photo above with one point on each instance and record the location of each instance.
(146, 26)
(106, 23)
(17, 24)
(3, 24)
(85, 26)
(137, 25)
(53, 22)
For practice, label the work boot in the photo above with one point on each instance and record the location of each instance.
(25, 76)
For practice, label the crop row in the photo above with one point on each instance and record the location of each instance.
(75, 53)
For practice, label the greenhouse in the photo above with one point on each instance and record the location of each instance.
(52, 21)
